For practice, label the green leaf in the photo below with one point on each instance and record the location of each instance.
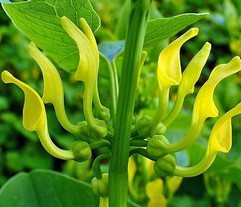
(40, 22)
(160, 29)
(42, 188)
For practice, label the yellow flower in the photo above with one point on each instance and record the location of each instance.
(34, 117)
(220, 141)
(204, 105)
(169, 67)
(169, 72)
(87, 71)
(53, 88)
(189, 78)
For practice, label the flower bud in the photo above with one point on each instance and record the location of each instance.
(165, 166)
(157, 145)
(161, 129)
(97, 131)
(81, 151)
(100, 186)
(143, 127)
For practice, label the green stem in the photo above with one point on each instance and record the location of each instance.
(118, 173)
(104, 202)
(114, 84)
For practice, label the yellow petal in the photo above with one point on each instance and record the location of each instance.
(149, 165)
(158, 202)
(204, 105)
(173, 184)
(88, 64)
(169, 67)
(89, 34)
(221, 135)
(131, 171)
(232, 67)
(154, 188)
(190, 76)
(34, 116)
(192, 72)
(53, 88)
(131, 176)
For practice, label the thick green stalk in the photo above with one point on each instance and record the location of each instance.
(118, 173)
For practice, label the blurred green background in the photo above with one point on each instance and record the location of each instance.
(21, 150)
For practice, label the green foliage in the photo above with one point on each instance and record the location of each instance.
(42, 26)
(160, 29)
(42, 188)
(46, 189)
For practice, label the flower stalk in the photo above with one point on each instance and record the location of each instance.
(118, 175)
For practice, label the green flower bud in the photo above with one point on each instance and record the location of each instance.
(143, 126)
(83, 135)
(97, 131)
(81, 151)
(103, 113)
(161, 129)
(156, 145)
(100, 186)
(165, 166)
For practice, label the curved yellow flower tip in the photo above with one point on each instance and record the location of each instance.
(88, 66)
(220, 141)
(221, 135)
(89, 34)
(232, 67)
(192, 72)
(53, 88)
(169, 66)
(34, 117)
(204, 105)
(190, 77)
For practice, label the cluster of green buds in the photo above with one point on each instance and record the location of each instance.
(148, 135)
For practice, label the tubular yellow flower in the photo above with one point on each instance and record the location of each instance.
(169, 67)
(220, 141)
(34, 117)
(87, 70)
(103, 111)
(169, 71)
(204, 105)
(53, 88)
(190, 76)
